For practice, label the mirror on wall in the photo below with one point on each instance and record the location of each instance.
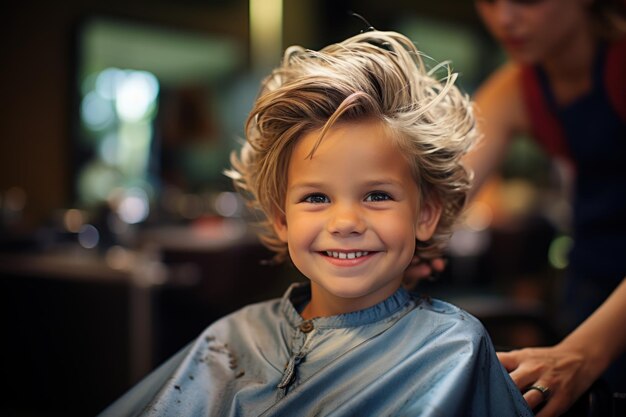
(157, 115)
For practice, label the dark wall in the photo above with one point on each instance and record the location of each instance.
(36, 67)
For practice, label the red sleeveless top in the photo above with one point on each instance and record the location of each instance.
(545, 126)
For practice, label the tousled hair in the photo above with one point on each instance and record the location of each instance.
(373, 75)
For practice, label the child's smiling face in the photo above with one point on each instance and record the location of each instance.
(352, 215)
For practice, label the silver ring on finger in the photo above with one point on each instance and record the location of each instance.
(545, 391)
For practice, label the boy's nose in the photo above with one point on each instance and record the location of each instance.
(346, 220)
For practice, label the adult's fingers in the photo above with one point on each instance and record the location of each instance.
(438, 264)
(509, 360)
(414, 273)
(523, 377)
(533, 397)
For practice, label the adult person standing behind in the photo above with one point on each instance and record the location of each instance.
(564, 84)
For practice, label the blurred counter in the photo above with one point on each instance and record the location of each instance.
(83, 325)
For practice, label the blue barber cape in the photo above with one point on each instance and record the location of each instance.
(405, 356)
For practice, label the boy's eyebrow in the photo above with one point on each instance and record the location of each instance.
(305, 184)
(385, 181)
(371, 183)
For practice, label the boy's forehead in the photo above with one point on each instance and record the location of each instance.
(347, 149)
(313, 138)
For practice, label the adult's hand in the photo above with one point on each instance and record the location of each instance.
(420, 269)
(563, 371)
(569, 368)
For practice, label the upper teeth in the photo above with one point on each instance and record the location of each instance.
(346, 255)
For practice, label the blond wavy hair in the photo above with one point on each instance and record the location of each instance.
(373, 75)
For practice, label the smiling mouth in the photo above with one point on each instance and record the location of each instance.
(346, 255)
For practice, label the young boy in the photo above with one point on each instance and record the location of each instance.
(352, 156)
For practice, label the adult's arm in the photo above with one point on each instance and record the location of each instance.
(500, 114)
(569, 368)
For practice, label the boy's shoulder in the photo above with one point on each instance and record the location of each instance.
(439, 306)
(261, 309)
(442, 314)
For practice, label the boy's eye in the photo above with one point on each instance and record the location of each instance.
(377, 196)
(316, 199)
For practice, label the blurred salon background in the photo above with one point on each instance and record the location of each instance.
(121, 239)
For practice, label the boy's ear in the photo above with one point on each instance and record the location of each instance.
(280, 226)
(427, 221)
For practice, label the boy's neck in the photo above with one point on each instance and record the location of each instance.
(323, 304)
